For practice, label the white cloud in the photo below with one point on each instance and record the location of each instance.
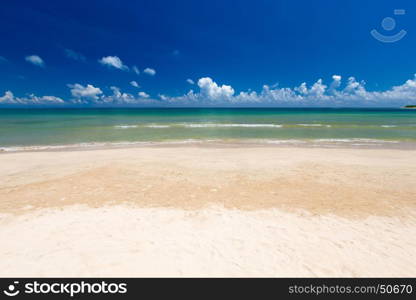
(136, 70)
(353, 93)
(120, 98)
(134, 83)
(117, 97)
(163, 97)
(94, 95)
(143, 95)
(336, 77)
(74, 55)
(113, 62)
(87, 92)
(52, 99)
(36, 60)
(9, 98)
(212, 91)
(190, 81)
(336, 82)
(318, 89)
(149, 71)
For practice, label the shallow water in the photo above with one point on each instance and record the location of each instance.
(28, 127)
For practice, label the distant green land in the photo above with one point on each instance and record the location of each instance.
(410, 106)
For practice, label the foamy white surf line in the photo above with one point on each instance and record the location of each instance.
(317, 142)
(157, 126)
(232, 125)
(353, 140)
(99, 145)
(248, 125)
(285, 142)
(199, 125)
(314, 125)
(69, 146)
(312, 142)
(125, 126)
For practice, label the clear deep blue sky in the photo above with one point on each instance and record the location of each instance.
(245, 44)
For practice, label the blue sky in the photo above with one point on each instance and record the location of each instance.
(249, 53)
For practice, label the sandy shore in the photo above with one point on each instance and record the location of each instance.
(208, 211)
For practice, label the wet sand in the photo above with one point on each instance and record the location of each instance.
(173, 211)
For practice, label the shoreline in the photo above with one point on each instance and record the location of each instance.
(337, 143)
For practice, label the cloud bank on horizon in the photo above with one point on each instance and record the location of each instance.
(351, 94)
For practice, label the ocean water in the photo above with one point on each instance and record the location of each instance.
(64, 127)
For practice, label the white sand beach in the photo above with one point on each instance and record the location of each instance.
(208, 211)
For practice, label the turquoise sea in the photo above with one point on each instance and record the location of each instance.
(88, 126)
